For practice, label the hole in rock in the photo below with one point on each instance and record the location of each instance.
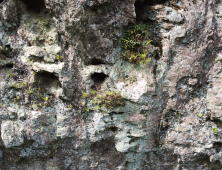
(96, 62)
(47, 82)
(218, 146)
(98, 77)
(1, 1)
(142, 4)
(9, 65)
(36, 6)
(113, 129)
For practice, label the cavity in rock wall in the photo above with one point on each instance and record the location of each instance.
(35, 6)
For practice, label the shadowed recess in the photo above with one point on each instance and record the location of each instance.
(95, 61)
(141, 4)
(35, 6)
(9, 65)
(1, 1)
(98, 77)
(149, 2)
(47, 82)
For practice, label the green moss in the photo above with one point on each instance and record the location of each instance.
(84, 95)
(15, 85)
(46, 98)
(96, 107)
(30, 92)
(215, 130)
(199, 115)
(59, 57)
(93, 92)
(35, 106)
(110, 99)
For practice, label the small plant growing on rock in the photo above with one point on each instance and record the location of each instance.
(11, 74)
(109, 100)
(84, 95)
(93, 92)
(35, 106)
(29, 92)
(59, 58)
(23, 84)
(199, 115)
(96, 107)
(45, 98)
(16, 98)
(215, 130)
(135, 42)
(16, 85)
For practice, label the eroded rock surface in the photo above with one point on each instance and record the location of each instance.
(54, 55)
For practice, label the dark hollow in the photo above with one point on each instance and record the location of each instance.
(35, 5)
(113, 129)
(1, 1)
(46, 80)
(96, 62)
(98, 77)
(149, 2)
(141, 4)
(9, 65)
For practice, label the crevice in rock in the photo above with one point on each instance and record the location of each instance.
(140, 4)
(95, 61)
(99, 77)
(218, 146)
(36, 59)
(35, 6)
(157, 57)
(9, 65)
(113, 129)
(47, 82)
(216, 121)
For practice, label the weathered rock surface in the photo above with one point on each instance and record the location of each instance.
(53, 53)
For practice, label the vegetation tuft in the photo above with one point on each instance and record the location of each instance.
(109, 99)
(215, 130)
(135, 42)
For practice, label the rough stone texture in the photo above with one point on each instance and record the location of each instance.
(51, 52)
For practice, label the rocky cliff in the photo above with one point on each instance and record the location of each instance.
(71, 101)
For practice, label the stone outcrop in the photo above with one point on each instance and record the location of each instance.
(60, 59)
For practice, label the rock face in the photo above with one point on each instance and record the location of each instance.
(61, 62)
